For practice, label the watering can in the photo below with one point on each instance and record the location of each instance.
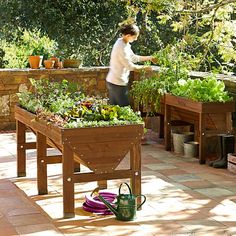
(126, 205)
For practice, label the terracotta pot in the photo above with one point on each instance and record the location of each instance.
(60, 65)
(72, 63)
(56, 61)
(49, 64)
(34, 62)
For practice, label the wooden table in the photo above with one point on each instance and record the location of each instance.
(101, 149)
(209, 119)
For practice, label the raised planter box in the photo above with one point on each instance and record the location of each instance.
(101, 149)
(209, 119)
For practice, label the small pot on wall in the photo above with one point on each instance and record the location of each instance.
(35, 61)
(49, 64)
(72, 63)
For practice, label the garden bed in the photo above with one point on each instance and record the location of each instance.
(208, 118)
(101, 149)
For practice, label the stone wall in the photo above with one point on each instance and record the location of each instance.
(92, 79)
(13, 81)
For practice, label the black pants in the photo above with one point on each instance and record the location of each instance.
(118, 95)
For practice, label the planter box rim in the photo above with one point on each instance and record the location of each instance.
(189, 99)
(199, 107)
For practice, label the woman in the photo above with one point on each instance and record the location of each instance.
(121, 63)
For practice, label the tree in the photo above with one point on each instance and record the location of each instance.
(207, 26)
(89, 28)
(80, 27)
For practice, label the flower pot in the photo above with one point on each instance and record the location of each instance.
(49, 64)
(56, 61)
(72, 63)
(35, 62)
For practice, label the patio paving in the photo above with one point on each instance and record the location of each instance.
(183, 198)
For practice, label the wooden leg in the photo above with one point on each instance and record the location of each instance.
(135, 164)
(202, 138)
(41, 163)
(228, 122)
(21, 155)
(167, 130)
(161, 128)
(102, 184)
(68, 182)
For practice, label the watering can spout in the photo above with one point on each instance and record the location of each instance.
(113, 209)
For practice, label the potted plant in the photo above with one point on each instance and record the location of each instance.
(71, 59)
(72, 62)
(40, 46)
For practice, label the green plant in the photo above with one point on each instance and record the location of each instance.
(62, 104)
(38, 44)
(24, 44)
(174, 65)
(204, 90)
(148, 92)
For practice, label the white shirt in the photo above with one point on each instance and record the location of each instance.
(121, 63)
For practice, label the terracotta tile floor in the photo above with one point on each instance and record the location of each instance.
(183, 198)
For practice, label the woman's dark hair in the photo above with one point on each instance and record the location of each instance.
(129, 29)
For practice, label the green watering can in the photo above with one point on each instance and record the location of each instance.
(126, 205)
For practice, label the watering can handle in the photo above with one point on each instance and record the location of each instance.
(95, 192)
(127, 186)
(144, 200)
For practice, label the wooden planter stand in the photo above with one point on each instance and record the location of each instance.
(101, 149)
(209, 119)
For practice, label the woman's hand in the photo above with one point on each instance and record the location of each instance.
(154, 60)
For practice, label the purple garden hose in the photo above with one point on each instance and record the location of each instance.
(95, 205)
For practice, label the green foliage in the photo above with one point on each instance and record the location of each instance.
(148, 92)
(26, 43)
(82, 27)
(89, 28)
(174, 64)
(63, 105)
(206, 90)
(37, 43)
(207, 26)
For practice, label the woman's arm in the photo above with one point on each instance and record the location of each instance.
(148, 58)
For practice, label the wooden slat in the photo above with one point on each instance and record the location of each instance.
(30, 145)
(101, 157)
(53, 159)
(28, 119)
(103, 134)
(199, 107)
(87, 177)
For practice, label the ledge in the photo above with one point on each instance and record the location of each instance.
(52, 71)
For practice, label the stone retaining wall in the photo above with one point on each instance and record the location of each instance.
(13, 81)
(92, 79)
